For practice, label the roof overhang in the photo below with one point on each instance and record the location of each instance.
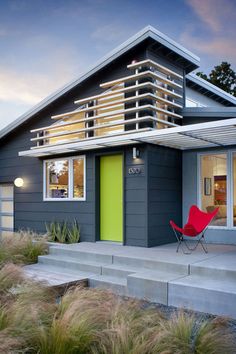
(191, 61)
(202, 86)
(209, 112)
(220, 133)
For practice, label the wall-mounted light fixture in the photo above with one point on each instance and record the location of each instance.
(136, 153)
(19, 182)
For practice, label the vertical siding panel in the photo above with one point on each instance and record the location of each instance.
(164, 193)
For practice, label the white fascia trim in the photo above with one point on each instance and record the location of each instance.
(146, 32)
(176, 47)
(133, 137)
(209, 86)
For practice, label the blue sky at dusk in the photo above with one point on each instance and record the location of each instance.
(45, 44)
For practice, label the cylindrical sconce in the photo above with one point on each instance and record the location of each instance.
(136, 153)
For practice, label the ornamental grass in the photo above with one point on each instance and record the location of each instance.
(22, 247)
(94, 321)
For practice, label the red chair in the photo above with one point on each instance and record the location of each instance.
(198, 222)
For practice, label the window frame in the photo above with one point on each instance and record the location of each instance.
(230, 186)
(70, 180)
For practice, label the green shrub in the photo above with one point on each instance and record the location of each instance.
(74, 232)
(51, 231)
(63, 232)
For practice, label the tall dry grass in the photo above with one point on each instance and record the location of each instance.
(93, 321)
(21, 247)
(182, 334)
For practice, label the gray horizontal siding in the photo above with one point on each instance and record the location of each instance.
(136, 200)
(137, 208)
(60, 207)
(155, 191)
(136, 195)
(164, 193)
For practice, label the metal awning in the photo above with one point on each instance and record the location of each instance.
(195, 136)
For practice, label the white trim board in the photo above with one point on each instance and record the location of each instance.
(195, 136)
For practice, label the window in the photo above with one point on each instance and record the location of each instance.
(6, 208)
(57, 179)
(78, 178)
(64, 179)
(214, 186)
(110, 121)
(234, 189)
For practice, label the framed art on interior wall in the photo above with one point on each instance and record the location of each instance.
(207, 186)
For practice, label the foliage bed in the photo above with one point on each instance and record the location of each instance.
(92, 321)
(63, 232)
(21, 247)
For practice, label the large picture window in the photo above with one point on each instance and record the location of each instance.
(64, 179)
(214, 186)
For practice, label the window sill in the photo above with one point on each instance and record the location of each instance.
(229, 228)
(64, 199)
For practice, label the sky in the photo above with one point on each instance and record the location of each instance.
(46, 43)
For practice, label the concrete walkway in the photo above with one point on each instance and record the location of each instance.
(202, 282)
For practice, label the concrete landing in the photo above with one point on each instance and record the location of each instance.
(55, 277)
(203, 282)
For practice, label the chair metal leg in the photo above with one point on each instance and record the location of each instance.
(199, 241)
(203, 243)
(192, 248)
(179, 244)
(180, 241)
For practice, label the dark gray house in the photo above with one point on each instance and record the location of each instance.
(131, 144)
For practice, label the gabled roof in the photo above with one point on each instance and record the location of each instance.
(190, 60)
(212, 91)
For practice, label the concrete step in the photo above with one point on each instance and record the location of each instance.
(119, 271)
(213, 273)
(71, 263)
(54, 276)
(117, 285)
(220, 267)
(151, 285)
(202, 293)
(68, 251)
(152, 264)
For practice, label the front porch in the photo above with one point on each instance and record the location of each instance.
(201, 282)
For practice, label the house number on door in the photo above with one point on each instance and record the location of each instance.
(134, 170)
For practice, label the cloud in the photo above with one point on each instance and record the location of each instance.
(220, 47)
(215, 13)
(20, 87)
(48, 68)
(30, 86)
(215, 41)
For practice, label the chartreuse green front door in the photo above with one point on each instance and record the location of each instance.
(111, 198)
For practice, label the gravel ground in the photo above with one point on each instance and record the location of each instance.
(200, 316)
